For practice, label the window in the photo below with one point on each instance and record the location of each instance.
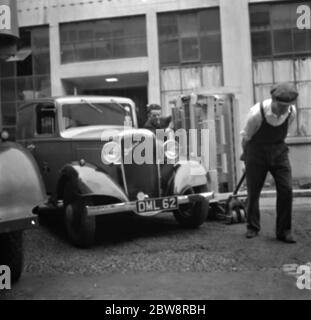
(282, 53)
(189, 37)
(26, 79)
(103, 39)
(94, 114)
(45, 119)
(274, 31)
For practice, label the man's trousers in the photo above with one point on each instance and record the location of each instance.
(259, 160)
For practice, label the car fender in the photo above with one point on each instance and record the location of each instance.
(91, 181)
(188, 174)
(21, 187)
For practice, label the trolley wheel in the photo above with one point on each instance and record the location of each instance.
(235, 210)
(234, 216)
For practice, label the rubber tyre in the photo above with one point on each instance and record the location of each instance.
(194, 214)
(81, 230)
(12, 254)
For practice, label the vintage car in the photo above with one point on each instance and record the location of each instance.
(68, 137)
(21, 189)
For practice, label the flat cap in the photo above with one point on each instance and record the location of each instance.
(284, 93)
(153, 106)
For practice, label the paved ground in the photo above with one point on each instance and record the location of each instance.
(155, 259)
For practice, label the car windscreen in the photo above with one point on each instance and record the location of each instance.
(94, 113)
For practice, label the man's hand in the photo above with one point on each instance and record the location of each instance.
(244, 143)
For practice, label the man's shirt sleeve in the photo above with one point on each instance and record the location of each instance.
(253, 123)
(292, 115)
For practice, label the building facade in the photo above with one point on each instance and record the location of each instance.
(154, 50)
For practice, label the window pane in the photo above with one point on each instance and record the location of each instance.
(134, 26)
(117, 28)
(260, 17)
(167, 27)
(188, 26)
(262, 92)
(41, 61)
(191, 78)
(263, 72)
(170, 79)
(42, 86)
(25, 89)
(8, 114)
(209, 20)
(25, 130)
(7, 69)
(304, 98)
(102, 30)
(129, 47)
(40, 38)
(283, 16)
(103, 49)
(167, 32)
(190, 49)
(303, 69)
(309, 39)
(85, 31)
(293, 128)
(84, 51)
(261, 44)
(67, 53)
(68, 33)
(212, 76)
(304, 120)
(283, 70)
(169, 52)
(24, 68)
(282, 41)
(211, 48)
(300, 40)
(8, 89)
(24, 38)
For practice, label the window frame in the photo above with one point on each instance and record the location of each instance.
(108, 38)
(200, 33)
(36, 122)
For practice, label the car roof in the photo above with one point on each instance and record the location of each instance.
(75, 99)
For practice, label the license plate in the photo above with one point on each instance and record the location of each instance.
(158, 204)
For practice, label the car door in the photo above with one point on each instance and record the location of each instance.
(50, 150)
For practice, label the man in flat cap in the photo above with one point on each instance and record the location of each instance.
(155, 120)
(265, 150)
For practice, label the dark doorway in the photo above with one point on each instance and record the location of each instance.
(138, 95)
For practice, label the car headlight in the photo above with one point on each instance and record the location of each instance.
(111, 153)
(171, 149)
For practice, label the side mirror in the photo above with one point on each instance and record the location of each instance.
(4, 135)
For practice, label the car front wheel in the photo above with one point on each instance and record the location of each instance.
(80, 228)
(11, 248)
(192, 215)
